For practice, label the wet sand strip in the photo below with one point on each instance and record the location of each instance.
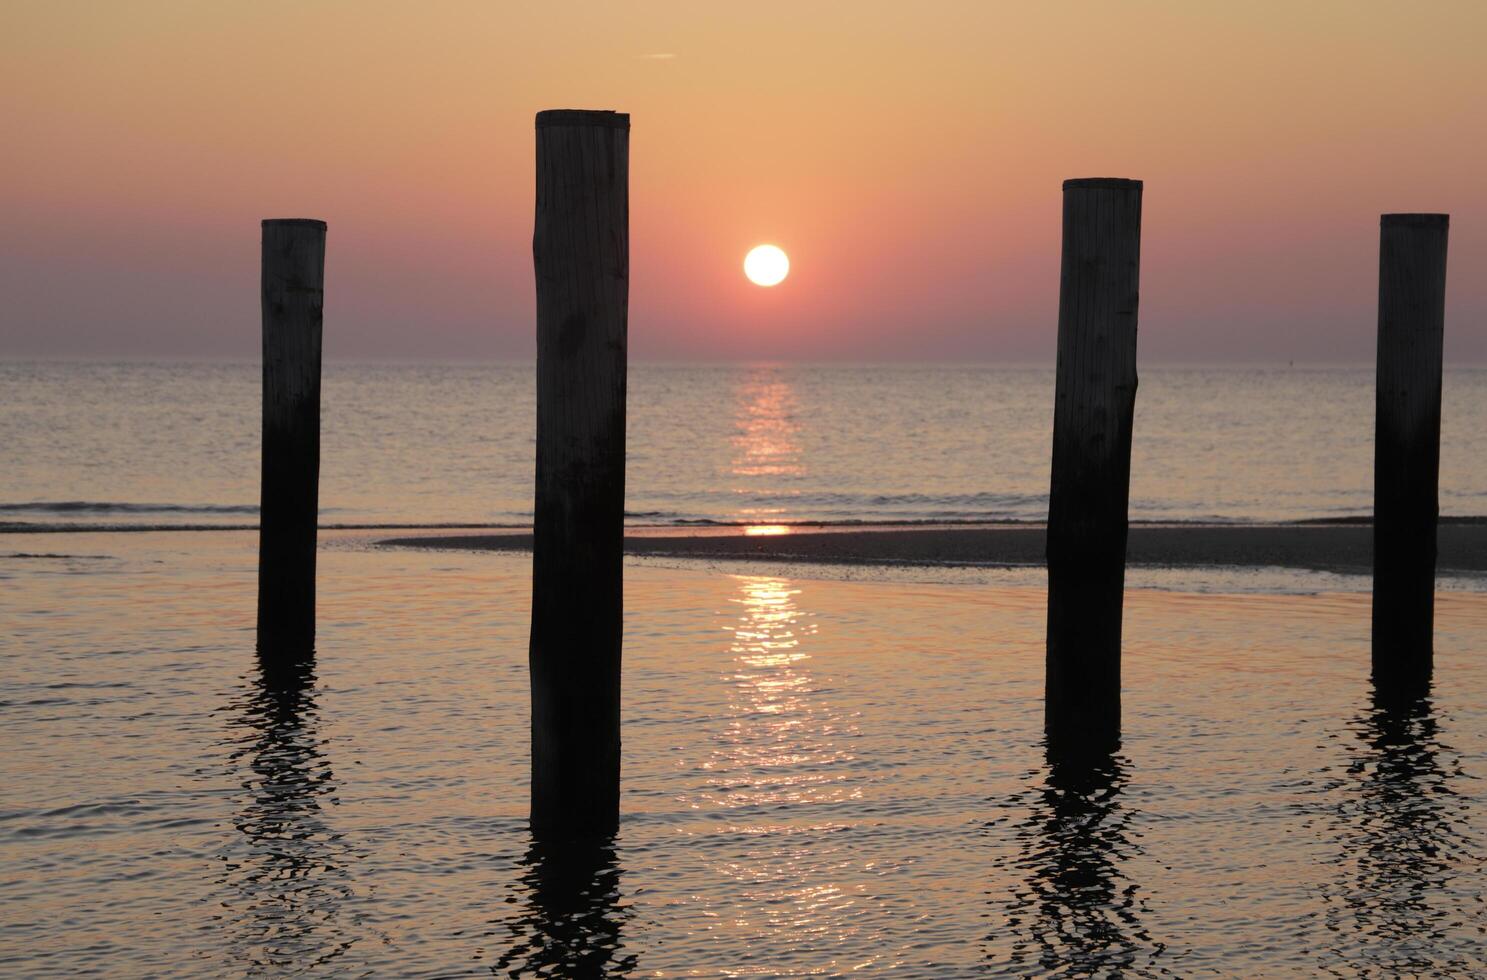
(1343, 548)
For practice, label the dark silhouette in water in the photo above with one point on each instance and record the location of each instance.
(1094, 403)
(1404, 826)
(571, 923)
(293, 272)
(1076, 913)
(287, 867)
(581, 255)
(1407, 444)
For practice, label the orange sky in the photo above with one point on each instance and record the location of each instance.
(908, 156)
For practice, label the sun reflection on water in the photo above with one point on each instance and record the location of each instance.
(783, 743)
(781, 779)
(767, 452)
(766, 530)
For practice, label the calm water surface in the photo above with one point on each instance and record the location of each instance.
(178, 444)
(821, 777)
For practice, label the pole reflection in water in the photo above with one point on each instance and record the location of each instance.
(1406, 836)
(767, 456)
(287, 869)
(573, 915)
(1074, 913)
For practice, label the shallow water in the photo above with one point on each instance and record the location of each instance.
(174, 444)
(821, 776)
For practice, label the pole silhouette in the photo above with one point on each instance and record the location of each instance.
(1095, 396)
(293, 278)
(580, 251)
(1407, 443)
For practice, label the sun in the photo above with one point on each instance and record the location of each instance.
(766, 265)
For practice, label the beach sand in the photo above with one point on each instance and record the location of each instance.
(1340, 548)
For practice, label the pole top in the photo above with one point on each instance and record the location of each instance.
(583, 117)
(1106, 183)
(302, 222)
(1416, 220)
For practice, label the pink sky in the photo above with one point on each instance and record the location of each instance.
(907, 156)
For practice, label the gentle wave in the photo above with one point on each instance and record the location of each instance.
(119, 507)
(839, 498)
(38, 527)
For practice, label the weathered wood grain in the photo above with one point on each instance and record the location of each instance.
(1407, 433)
(293, 277)
(1095, 395)
(580, 252)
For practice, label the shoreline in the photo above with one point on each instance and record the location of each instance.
(1336, 547)
(711, 527)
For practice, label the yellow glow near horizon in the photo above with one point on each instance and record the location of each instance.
(766, 265)
(766, 530)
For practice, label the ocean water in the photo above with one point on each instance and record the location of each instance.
(177, 444)
(821, 777)
(826, 771)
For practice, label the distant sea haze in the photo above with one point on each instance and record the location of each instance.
(176, 445)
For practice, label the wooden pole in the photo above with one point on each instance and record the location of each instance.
(1407, 437)
(1095, 396)
(293, 279)
(580, 251)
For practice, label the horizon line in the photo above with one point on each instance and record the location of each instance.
(1045, 363)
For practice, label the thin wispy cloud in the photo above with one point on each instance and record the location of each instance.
(660, 56)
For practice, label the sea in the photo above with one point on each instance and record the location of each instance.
(826, 771)
(171, 445)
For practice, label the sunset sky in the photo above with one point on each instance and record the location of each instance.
(907, 156)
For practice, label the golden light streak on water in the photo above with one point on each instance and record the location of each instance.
(766, 530)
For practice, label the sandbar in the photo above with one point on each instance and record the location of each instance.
(1344, 548)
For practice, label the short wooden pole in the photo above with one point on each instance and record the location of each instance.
(1095, 396)
(293, 280)
(1407, 437)
(580, 251)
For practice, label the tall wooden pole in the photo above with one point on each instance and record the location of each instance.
(293, 272)
(1407, 443)
(1095, 396)
(581, 253)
